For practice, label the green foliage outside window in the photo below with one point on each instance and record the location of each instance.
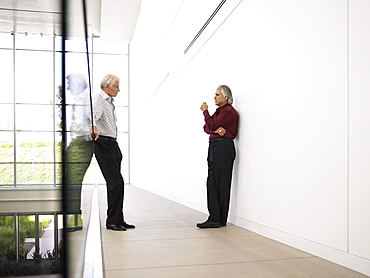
(33, 167)
(48, 263)
(26, 230)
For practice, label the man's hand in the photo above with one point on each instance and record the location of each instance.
(204, 106)
(221, 131)
(94, 135)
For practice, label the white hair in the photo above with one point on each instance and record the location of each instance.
(226, 92)
(109, 79)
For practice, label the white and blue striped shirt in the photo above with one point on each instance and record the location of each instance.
(105, 115)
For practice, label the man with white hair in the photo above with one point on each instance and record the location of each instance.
(222, 127)
(107, 151)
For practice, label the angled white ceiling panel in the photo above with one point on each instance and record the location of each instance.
(119, 19)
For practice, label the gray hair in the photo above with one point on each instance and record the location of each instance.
(109, 79)
(226, 92)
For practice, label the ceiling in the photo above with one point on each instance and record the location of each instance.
(111, 20)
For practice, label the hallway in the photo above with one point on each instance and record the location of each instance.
(166, 243)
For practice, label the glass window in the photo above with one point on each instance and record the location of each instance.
(34, 77)
(112, 64)
(101, 46)
(125, 172)
(122, 119)
(6, 117)
(35, 147)
(58, 69)
(123, 144)
(70, 122)
(78, 45)
(35, 174)
(34, 41)
(58, 43)
(35, 158)
(93, 174)
(27, 236)
(6, 73)
(58, 158)
(7, 159)
(7, 237)
(58, 117)
(6, 173)
(47, 236)
(6, 40)
(34, 117)
(77, 63)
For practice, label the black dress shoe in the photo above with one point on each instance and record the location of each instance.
(128, 226)
(208, 224)
(115, 227)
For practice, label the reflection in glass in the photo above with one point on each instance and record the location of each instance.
(76, 63)
(58, 117)
(79, 151)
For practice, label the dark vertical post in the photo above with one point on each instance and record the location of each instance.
(88, 62)
(64, 254)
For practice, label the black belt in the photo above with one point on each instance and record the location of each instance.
(107, 138)
(220, 139)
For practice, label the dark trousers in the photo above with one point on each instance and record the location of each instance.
(221, 156)
(109, 157)
(78, 157)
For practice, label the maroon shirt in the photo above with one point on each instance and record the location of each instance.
(226, 117)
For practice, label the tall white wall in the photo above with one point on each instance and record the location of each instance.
(299, 72)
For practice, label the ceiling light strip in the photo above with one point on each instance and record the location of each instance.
(29, 11)
(205, 25)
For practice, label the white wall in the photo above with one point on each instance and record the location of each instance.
(299, 72)
(359, 119)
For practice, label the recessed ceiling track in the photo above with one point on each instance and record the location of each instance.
(205, 25)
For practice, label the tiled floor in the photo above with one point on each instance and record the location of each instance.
(166, 243)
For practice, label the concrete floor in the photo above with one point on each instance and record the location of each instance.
(166, 243)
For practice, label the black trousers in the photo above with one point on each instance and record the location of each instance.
(109, 157)
(221, 156)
